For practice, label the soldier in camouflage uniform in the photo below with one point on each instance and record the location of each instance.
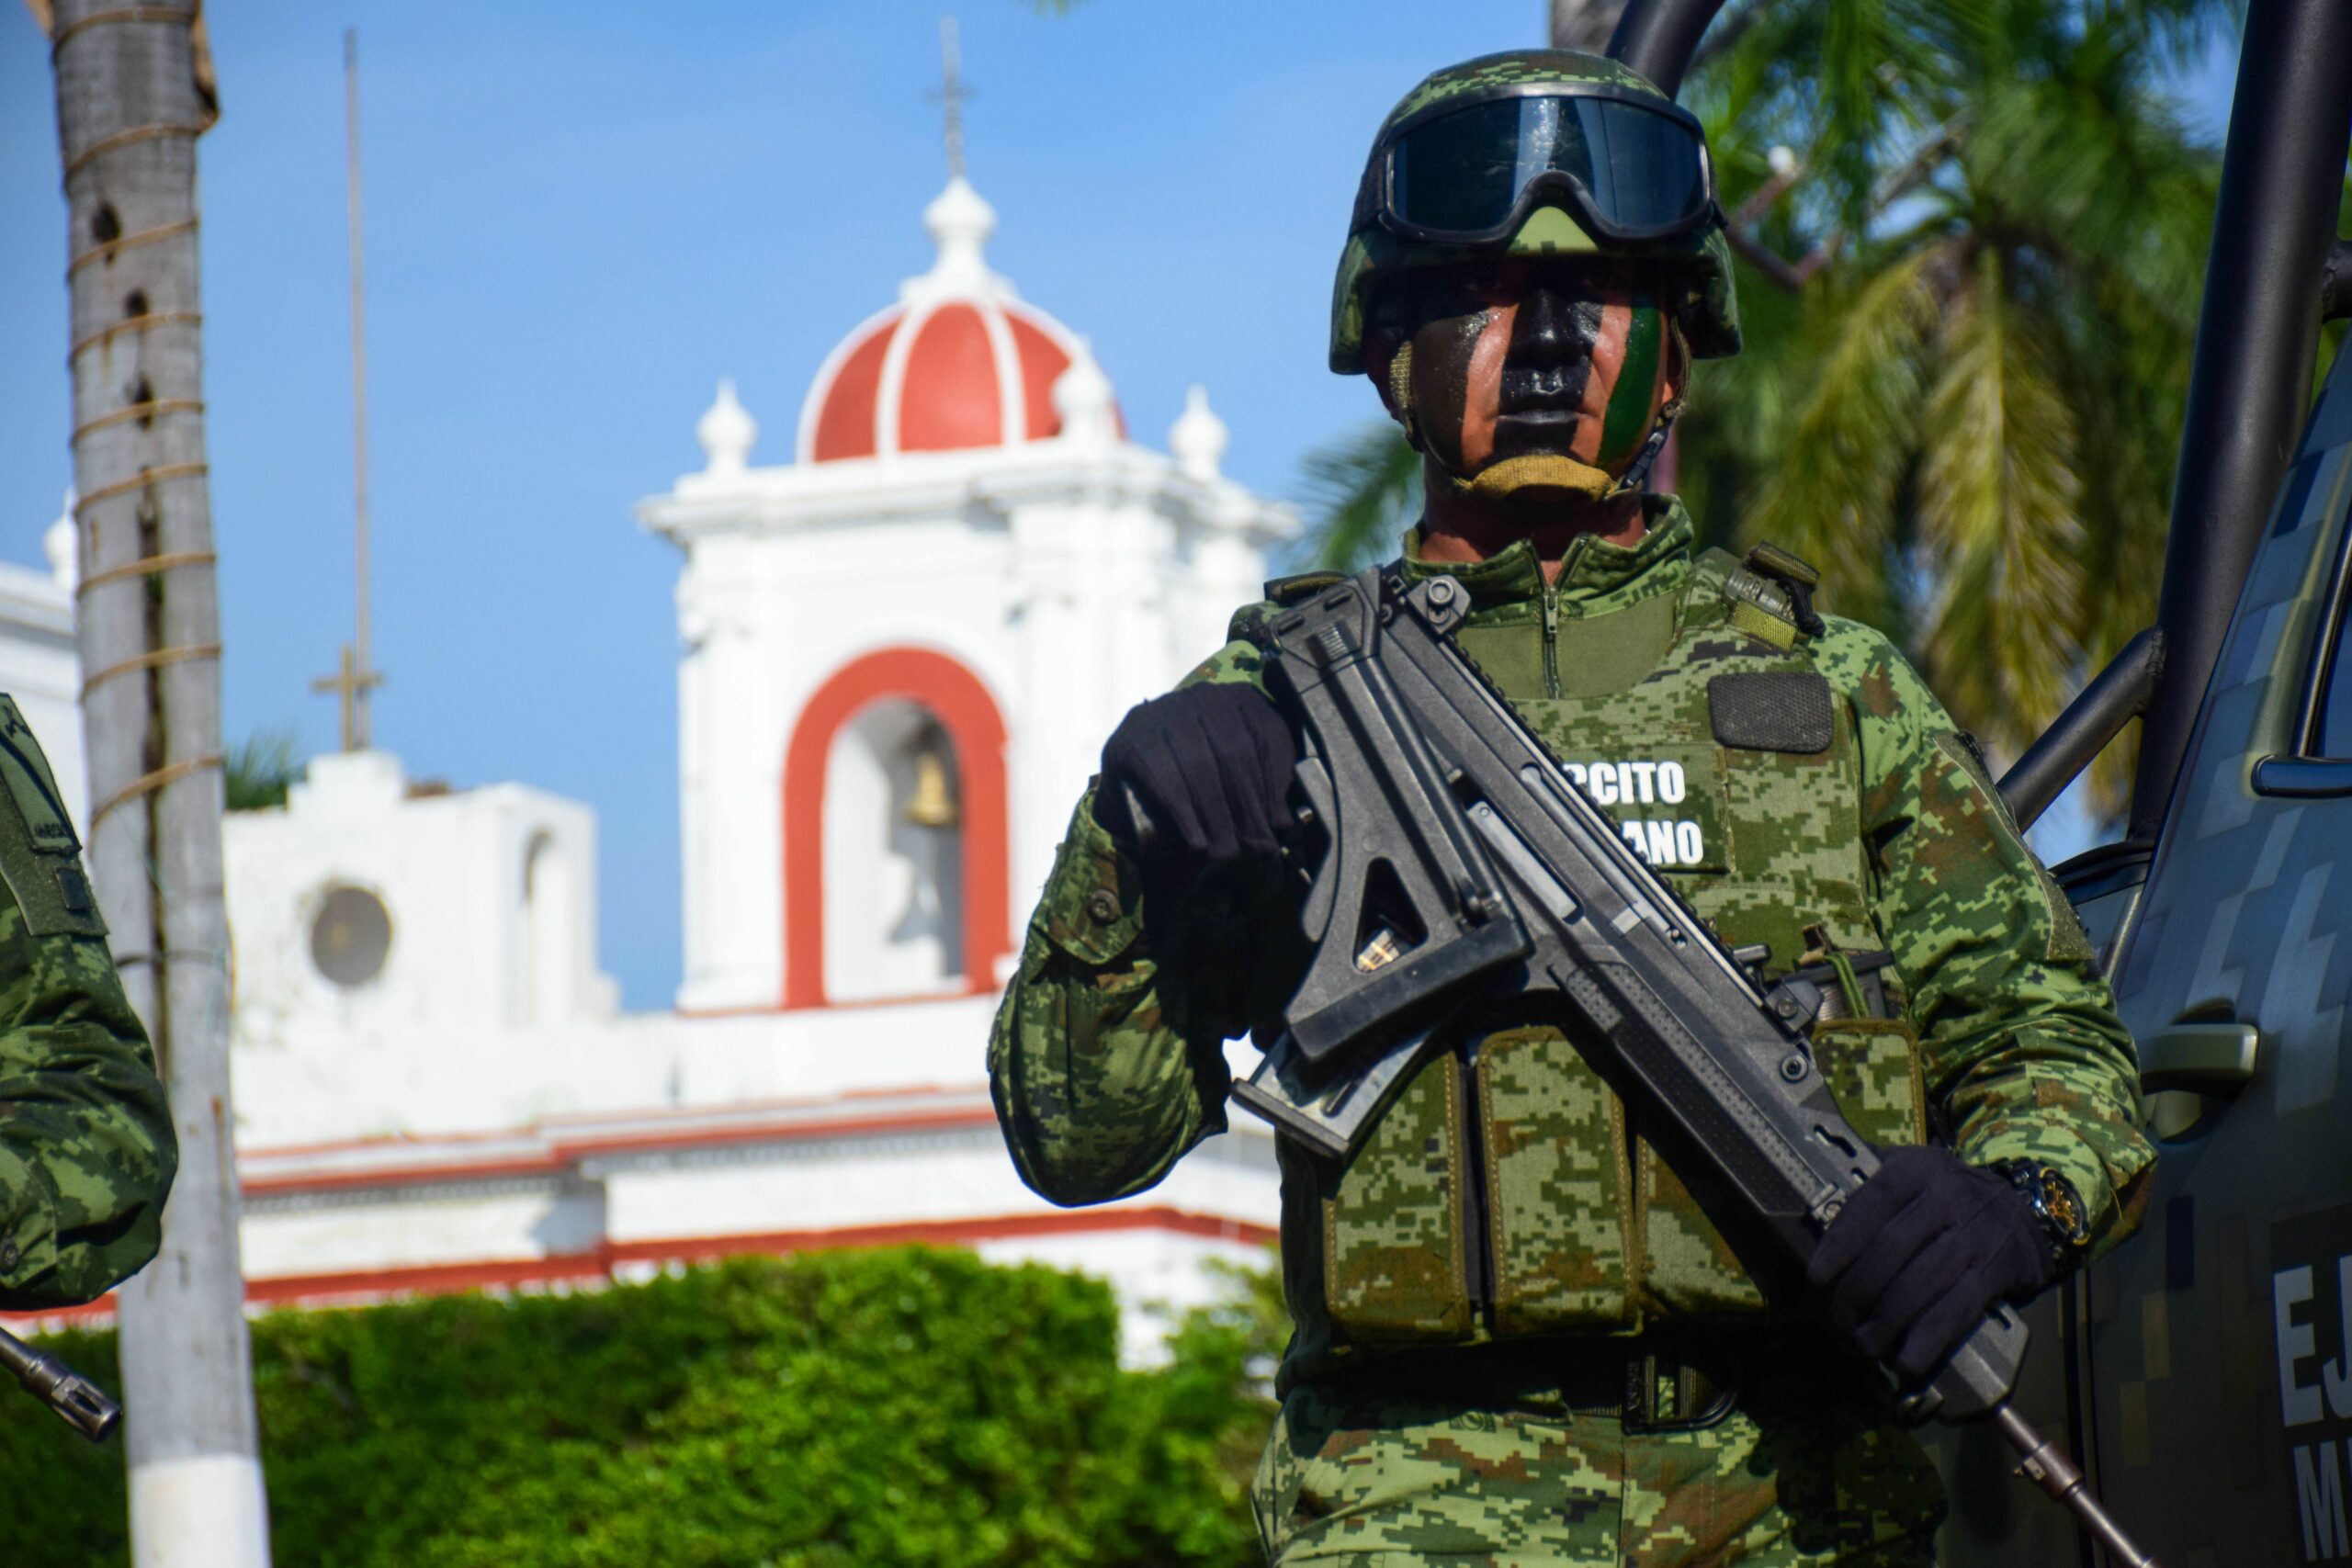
(1526, 1332)
(86, 1149)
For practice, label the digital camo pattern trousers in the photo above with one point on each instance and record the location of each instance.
(1397, 1482)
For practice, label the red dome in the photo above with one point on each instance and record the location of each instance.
(951, 373)
(958, 363)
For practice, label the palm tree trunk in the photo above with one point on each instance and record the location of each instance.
(129, 108)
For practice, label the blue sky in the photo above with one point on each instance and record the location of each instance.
(580, 217)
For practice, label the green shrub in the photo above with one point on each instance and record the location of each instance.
(897, 1406)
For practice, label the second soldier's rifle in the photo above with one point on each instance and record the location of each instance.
(1459, 865)
(79, 1401)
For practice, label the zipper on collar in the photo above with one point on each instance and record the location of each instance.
(1551, 640)
(1570, 558)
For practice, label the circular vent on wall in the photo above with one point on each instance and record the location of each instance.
(351, 936)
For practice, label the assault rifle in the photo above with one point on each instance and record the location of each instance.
(1460, 864)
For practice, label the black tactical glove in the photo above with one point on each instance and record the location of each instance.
(1922, 1253)
(1211, 766)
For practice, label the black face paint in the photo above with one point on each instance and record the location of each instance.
(1502, 369)
(1442, 349)
(1547, 373)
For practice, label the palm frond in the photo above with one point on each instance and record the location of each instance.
(1841, 455)
(1362, 490)
(1999, 524)
(260, 770)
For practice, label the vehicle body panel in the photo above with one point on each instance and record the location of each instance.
(2200, 1347)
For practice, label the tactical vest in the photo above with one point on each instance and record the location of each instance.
(1510, 1190)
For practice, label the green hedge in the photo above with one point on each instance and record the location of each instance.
(899, 1406)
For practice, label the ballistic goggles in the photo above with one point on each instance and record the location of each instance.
(1633, 166)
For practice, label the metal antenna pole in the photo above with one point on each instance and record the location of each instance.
(358, 378)
(355, 678)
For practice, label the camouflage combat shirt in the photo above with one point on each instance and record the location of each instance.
(1807, 793)
(86, 1148)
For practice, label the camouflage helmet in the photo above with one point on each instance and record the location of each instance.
(1706, 306)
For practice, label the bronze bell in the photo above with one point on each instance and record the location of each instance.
(934, 803)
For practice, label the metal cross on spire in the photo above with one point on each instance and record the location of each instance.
(952, 95)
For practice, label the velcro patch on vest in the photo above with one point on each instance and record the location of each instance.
(1772, 710)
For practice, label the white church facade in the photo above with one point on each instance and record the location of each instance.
(435, 1088)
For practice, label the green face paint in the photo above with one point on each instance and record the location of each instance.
(1627, 423)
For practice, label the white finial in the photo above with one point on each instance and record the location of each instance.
(1198, 439)
(1083, 399)
(58, 544)
(726, 431)
(960, 222)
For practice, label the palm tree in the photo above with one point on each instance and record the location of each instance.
(1971, 425)
(132, 95)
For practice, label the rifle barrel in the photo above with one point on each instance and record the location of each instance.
(2047, 1466)
(82, 1403)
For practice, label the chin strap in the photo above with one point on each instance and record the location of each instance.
(1637, 472)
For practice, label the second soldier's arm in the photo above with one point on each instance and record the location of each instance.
(86, 1148)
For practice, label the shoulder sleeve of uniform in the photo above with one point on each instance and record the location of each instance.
(1102, 1074)
(1922, 774)
(86, 1149)
(1239, 660)
(2018, 1038)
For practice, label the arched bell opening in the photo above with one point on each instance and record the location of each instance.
(894, 856)
(896, 853)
